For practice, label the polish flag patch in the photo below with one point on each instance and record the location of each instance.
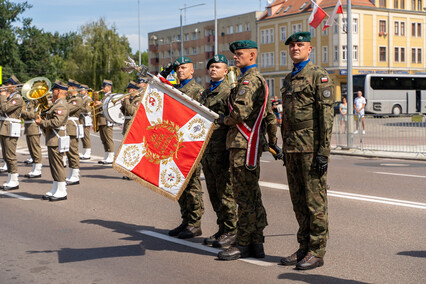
(74, 102)
(13, 102)
(246, 82)
(59, 112)
(324, 80)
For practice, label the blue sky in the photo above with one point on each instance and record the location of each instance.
(69, 15)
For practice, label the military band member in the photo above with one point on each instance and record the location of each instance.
(86, 121)
(215, 160)
(308, 97)
(55, 126)
(106, 126)
(247, 104)
(141, 82)
(10, 130)
(191, 201)
(32, 133)
(130, 104)
(74, 110)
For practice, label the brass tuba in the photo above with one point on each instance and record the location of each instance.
(37, 89)
(232, 76)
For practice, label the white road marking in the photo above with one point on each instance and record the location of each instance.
(369, 198)
(200, 247)
(395, 165)
(15, 195)
(403, 175)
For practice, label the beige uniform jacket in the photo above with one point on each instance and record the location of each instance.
(57, 116)
(29, 114)
(85, 107)
(74, 111)
(101, 118)
(10, 110)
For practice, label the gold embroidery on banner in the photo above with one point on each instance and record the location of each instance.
(153, 101)
(197, 128)
(170, 177)
(131, 156)
(162, 142)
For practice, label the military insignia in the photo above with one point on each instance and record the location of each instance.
(170, 177)
(246, 82)
(197, 128)
(153, 102)
(326, 93)
(131, 156)
(162, 141)
(242, 92)
(216, 58)
(324, 80)
(13, 102)
(74, 102)
(59, 112)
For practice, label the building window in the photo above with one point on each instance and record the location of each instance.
(336, 53)
(355, 25)
(262, 36)
(271, 87)
(312, 31)
(267, 59)
(402, 26)
(396, 54)
(324, 31)
(402, 2)
(419, 5)
(267, 36)
(419, 55)
(416, 55)
(396, 28)
(402, 57)
(395, 4)
(283, 33)
(413, 4)
(186, 37)
(344, 52)
(355, 52)
(382, 26)
(271, 31)
(240, 28)
(194, 36)
(283, 58)
(248, 27)
(413, 29)
(382, 3)
(296, 28)
(312, 55)
(194, 51)
(382, 53)
(230, 29)
(336, 29)
(344, 25)
(419, 30)
(413, 55)
(324, 54)
(186, 51)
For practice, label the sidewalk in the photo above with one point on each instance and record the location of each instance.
(378, 154)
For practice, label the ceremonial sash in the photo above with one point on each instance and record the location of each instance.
(252, 134)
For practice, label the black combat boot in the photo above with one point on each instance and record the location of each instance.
(225, 240)
(190, 232)
(177, 230)
(210, 240)
(258, 251)
(310, 262)
(234, 252)
(294, 258)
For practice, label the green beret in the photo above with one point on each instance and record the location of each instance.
(180, 61)
(218, 58)
(298, 37)
(242, 44)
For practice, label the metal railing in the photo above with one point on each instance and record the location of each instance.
(383, 133)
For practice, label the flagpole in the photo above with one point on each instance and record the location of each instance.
(350, 99)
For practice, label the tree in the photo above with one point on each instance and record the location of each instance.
(97, 55)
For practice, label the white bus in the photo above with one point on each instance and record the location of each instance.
(392, 93)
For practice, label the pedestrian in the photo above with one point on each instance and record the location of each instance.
(277, 108)
(308, 97)
(247, 104)
(343, 109)
(191, 201)
(359, 105)
(215, 160)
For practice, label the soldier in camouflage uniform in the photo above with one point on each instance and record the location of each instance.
(308, 98)
(191, 200)
(247, 104)
(215, 160)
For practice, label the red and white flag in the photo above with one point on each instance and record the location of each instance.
(337, 10)
(166, 140)
(316, 16)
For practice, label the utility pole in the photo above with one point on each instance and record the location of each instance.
(181, 24)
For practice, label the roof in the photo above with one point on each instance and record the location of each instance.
(280, 8)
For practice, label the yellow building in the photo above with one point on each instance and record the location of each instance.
(387, 37)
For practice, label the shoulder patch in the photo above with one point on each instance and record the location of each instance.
(74, 102)
(324, 79)
(326, 93)
(242, 92)
(59, 112)
(13, 102)
(246, 82)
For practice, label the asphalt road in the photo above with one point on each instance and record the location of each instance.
(115, 231)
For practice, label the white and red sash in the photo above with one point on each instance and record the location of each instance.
(252, 134)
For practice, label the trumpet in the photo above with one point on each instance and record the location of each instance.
(19, 86)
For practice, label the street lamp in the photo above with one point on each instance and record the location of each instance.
(181, 26)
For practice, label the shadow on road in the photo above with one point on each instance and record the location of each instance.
(413, 253)
(315, 278)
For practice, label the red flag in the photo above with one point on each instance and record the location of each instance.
(337, 10)
(166, 140)
(316, 16)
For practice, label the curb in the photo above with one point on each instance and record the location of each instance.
(380, 154)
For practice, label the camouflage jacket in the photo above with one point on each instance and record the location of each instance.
(192, 89)
(247, 100)
(308, 99)
(10, 108)
(56, 117)
(217, 101)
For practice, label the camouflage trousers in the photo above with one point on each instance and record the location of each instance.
(191, 201)
(251, 213)
(219, 186)
(308, 193)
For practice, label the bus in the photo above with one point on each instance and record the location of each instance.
(392, 93)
